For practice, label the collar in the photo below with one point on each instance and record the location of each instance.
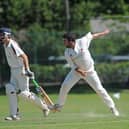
(9, 44)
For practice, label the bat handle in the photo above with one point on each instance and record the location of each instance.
(36, 84)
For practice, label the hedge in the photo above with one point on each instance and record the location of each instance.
(108, 72)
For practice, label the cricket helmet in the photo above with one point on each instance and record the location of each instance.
(5, 31)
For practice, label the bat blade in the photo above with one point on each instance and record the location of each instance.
(46, 98)
(44, 95)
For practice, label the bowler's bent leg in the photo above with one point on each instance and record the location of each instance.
(68, 83)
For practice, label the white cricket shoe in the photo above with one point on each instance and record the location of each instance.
(11, 118)
(56, 107)
(46, 112)
(115, 111)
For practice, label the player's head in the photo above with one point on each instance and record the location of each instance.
(69, 40)
(5, 34)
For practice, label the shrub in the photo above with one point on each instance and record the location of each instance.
(108, 72)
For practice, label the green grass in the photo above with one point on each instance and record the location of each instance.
(81, 111)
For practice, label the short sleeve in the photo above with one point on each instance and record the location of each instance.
(17, 49)
(86, 40)
(89, 36)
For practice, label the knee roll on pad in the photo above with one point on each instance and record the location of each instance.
(25, 94)
(31, 97)
(10, 89)
(28, 95)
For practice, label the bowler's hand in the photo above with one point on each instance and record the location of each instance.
(106, 31)
(81, 71)
(29, 74)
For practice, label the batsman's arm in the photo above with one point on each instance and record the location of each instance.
(25, 60)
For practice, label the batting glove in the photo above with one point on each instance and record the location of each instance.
(29, 74)
(38, 89)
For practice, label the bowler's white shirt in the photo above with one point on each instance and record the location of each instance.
(80, 55)
(13, 51)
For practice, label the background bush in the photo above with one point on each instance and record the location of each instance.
(109, 73)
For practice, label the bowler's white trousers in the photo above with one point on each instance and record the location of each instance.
(19, 81)
(92, 79)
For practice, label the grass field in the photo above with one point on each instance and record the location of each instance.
(81, 111)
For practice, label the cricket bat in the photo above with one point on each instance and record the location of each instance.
(43, 93)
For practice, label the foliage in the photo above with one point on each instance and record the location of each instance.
(40, 43)
(108, 72)
(38, 26)
(115, 43)
(113, 7)
(52, 15)
(113, 72)
(25, 13)
(55, 73)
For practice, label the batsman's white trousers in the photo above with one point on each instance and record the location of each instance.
(92, 79)
(20, 82)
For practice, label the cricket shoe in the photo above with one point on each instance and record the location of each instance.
(46, 112)
(11, 118)
(56, 108)
(115, 111)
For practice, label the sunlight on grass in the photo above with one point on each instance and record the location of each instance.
(81, 111)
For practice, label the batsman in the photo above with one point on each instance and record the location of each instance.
(20, 75)
(82, 67)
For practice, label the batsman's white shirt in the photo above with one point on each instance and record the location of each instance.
(18, 80)
(13, 51)
(80, 56)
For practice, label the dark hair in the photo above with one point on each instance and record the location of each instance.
(69, 36)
